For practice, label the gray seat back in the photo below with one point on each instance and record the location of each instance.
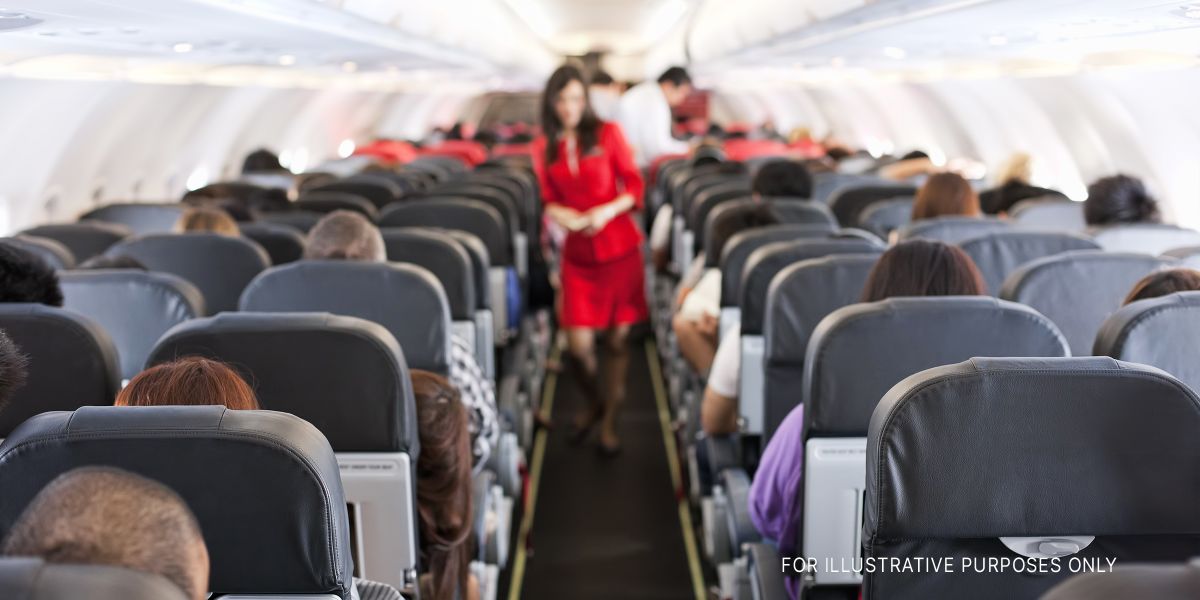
(1147, 238)
(480, 264)
(962, 455)
(407, 300)
(264, 486)
(300, 220)
(999, 253)
(49, 251)
(328, 201)
(379, 191)
(1162, 332)
(283, 244)
(442, 256)
(1188, 256)
(803, 213)
(134, 307)
(471, 216)
(219, 266)
(72, 362)
(738, 249)
(140, 218)
(848, 203)
(952, 230)
(84, 240)
(1054, 213)
(34, 579)
(1078, 290)
(885, 216)
(860, 351)
(826, 185)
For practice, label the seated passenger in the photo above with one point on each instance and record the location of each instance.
(347, 235)
(1013, 186)
(1119, 199)
(192, 381)
(911, 268)
(444, 489)
(697, 308)
(104, 261)
(106, 516)
(26, 278)
(14, 369)
(1162, 283)
(945, 195)
(206, 219)
(783, 179)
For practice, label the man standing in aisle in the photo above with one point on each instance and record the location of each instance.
(644, 114)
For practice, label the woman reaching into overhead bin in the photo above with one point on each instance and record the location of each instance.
(591, 185)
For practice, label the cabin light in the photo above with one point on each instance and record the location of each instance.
(299, 161)
(997, 40)
(346, 148)
(349, 66)
(287, 60)
(182, 47)
(894, 52)
(198, 178)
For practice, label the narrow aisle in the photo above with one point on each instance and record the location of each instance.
(608, 528)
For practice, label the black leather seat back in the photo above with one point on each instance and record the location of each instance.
(859, 352)
(379, 191)
(500, 199)
(1078, 290)
(1163, 332)
(141, 219)
(325, 201)
(33, 579)
(441, 255)
(264, 485)
(471, 216)
(85, 239)
(406, 300)
(741, 245)
(999, 253)
(47, 250)
(283, 244)
(848, 202)
(826, 185)
(480, 264)
(134, 307)
(72, 362)
(802, 211)
(787, 211)
(711, 197)
(346, 376)
(219, 266)
(300, 220)
(952, 230)
(695, 187)
(961, 455)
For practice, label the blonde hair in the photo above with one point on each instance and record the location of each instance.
(206, 219)
(1018, 167)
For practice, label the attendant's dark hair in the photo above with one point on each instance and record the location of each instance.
(1119, 199)
(443, 485)
(24, 277)
(676, 76)
(783, 179)
(587, 132)
(923, 268)
(1162, 283)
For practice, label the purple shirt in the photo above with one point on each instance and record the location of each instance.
(775, 492)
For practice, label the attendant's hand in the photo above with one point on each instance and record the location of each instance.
(569, 218)
(598, 218)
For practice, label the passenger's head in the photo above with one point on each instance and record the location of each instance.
(742, 218)
(1119, 199)
(783, 179)
(106, 516)
(565, 107)
(189, 381)
(1017, 169)
(261, 161)
(923, 268)
(1162, 283)
(443, 483)
(14, 369)
(117, 261)
(345, 235)
(676, 85)
(601, 78)
(206, 219)
(24, 277)
(945, 195)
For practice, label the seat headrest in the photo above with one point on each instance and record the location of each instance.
(480, 264)
(300, 220)
(346, 376)
(999, 253)
(49, 251)
(135, 307)
(1158, 331)
(407, 300)
(802, 210)
(848, 202)
(84, 240)
(72, 362)
(34, 579)
(1048, 213)
(441, 255)
(1078, 290)
(1147, 238)
(264, 485)
(283, 244)
(329, 201)
(379, 191)
(952, 230)
(965, 453)
(885, 216)
(473, 216)
(805, 292)
(739, 247)
(219, 266)
(141, 218)
(860, 351)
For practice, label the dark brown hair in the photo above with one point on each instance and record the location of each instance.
(923, 268)
(945, 194)
(443, 485)
(1165, 282)
(588, 130)
(189, 381)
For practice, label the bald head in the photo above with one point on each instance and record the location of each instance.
(106, 516)
(345, 235)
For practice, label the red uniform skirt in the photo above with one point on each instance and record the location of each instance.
(604, 295)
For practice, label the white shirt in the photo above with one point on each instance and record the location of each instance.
(604, 102)
(645, 117)
(705, 298)
(724, 378)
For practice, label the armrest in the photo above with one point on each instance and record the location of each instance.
(766, 574)
(741, 529)
(722, 452)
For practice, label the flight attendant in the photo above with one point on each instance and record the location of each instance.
(590, 185)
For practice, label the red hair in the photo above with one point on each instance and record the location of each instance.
(190, 381)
